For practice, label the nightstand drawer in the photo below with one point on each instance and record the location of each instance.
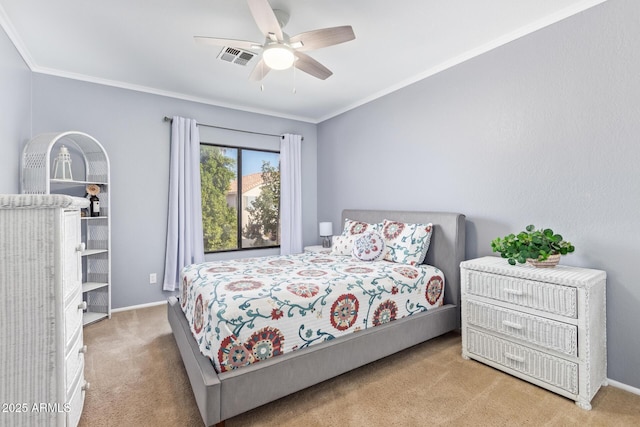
(541, 366)
(548, 297)
(557, 336)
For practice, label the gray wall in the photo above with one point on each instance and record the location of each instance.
(15, 113)
(543, 130)
(130, 126)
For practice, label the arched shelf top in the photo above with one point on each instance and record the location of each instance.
(36, 160)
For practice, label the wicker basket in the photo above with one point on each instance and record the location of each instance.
(550, 262)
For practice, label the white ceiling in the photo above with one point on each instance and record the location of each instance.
(148, 45)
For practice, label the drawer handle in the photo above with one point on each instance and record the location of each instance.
(513, 291)
(86, 386)
(512, 324)
(514, 357)
(83, 349)
(82, 306)
(80, 247)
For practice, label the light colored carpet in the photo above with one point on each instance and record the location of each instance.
(137, 379)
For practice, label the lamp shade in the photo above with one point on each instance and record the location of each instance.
(326, 229)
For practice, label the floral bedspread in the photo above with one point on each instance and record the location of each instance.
(247, 310)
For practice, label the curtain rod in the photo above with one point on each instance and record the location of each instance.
(169, 119)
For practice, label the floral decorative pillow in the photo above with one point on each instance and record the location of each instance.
(406, 243)
(369, 247)
(352, 227)
(342, 245)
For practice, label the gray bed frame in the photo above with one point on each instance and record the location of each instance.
(225, 395)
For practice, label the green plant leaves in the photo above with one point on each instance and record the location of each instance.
(532, 243)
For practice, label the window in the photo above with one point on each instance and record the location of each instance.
(240, 198)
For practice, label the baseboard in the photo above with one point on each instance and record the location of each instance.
(135, 307)
(623, 386)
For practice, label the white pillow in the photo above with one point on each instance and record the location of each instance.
(368, 247)
(342, 245)
(406, 243)
(352, 227)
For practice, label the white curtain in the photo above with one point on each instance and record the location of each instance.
(184, 226)
(290, 195)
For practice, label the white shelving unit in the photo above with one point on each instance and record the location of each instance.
(90, 165)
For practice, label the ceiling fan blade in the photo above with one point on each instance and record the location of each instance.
(265, 18)
(240, 44)
(322, 38)
(260, 71)
(311, 66)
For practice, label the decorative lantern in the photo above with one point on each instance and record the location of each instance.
(62, 165)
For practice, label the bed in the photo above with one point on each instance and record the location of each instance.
(220, 396)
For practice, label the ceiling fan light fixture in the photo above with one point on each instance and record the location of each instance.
(278, 56)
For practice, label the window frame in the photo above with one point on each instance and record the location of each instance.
(239, 201)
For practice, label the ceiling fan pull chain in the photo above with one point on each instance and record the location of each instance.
(294, 80)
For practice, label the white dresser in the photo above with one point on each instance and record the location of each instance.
(544, 325)
(41, 349)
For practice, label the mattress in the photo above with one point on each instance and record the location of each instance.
(246, 310)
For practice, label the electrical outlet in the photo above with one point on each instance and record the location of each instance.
(153, 278)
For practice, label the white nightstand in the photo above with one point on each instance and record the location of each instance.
(317, 249)
(544, 325)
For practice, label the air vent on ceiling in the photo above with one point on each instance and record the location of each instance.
(236, 56)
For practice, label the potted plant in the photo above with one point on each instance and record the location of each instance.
(541, 248)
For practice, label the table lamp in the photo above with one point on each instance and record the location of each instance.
(326, 231)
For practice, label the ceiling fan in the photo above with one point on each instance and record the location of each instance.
(279, 51)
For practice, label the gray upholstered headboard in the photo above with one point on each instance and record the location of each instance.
(447, 248)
